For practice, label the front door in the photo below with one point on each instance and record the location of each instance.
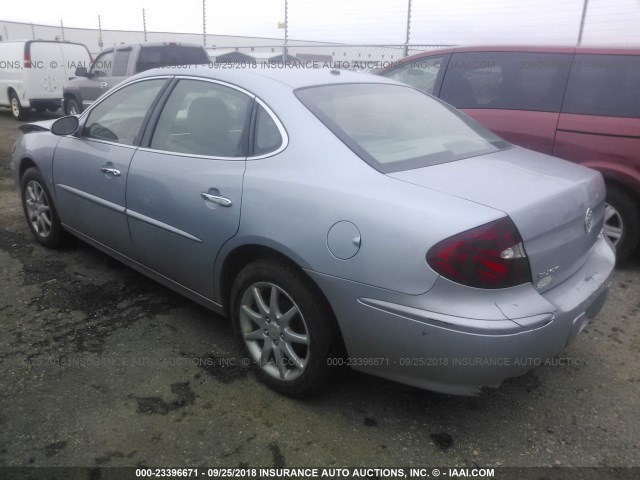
(90, 170)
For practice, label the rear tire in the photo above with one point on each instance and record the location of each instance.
(622, 222)
(17, 110)
(285, 327)
(39, 210)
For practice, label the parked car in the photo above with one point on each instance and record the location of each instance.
(34, 72)
(116, 64)
(580, 104)
(330, 213)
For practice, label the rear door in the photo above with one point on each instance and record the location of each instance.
(184, 190)
(90, 170)
(517, 95)
(74, 56)
(45, 77)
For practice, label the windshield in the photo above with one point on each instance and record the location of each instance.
(394, 128)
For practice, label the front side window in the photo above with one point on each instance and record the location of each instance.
(204, 118)
(119, 117)
(506, 80)
(421, 74)
(394, 128)
(103, 65)
(607, 85)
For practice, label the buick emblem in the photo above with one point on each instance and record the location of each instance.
(588, 220)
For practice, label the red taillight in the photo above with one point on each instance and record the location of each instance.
(489, 256)
(27, 59)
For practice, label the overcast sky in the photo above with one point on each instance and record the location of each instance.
(355, 21)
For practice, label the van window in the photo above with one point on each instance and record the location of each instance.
(606, 85)
(120, 63)
(506, 80)
(421, 74)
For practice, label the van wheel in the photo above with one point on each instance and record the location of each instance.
(18, 112)
(72, 107)
(621, 222)
(286, 328)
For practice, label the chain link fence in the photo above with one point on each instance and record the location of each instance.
(364, 58)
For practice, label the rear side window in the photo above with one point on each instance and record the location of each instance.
(204, 118)
(267, 136)
(170, 55)
(421, 74)
(506, 80)
(607, 85)
(120, 63)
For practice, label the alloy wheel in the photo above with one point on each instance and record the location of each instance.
(38, 209)
(274, 331)
(613, 225)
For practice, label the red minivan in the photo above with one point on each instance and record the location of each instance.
(577, 103)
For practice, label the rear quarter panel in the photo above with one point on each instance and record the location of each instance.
(291, 201)
(608, 144)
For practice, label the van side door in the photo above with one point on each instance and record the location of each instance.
(515, 94)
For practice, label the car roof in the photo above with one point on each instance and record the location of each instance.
(602, 50)
(252, 77)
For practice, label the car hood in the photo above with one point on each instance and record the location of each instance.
(42, 126)
(547, 199)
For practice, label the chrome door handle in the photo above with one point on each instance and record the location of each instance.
(113, 171)
(224, 201)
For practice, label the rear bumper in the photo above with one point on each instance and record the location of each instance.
(423, 341)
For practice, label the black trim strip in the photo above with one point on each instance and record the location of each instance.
(598, 134)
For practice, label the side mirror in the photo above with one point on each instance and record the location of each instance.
(82, 72)
(65, 125)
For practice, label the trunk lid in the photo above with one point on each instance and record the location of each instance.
(547, 199)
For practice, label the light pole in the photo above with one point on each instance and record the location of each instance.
(584, 16)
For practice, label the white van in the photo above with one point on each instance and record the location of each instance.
(33, 73)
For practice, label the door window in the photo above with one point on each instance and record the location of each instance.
(103, 65)
(204, 118)
(119, 117)
(120, 63)
(506, 80)
(421, 74)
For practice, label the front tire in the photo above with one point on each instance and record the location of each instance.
(39, 210)
(622, 222)
(285, 327)
(72, 107)
(17, 110)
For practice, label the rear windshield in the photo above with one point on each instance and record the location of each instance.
(396, 128)
(170, 55)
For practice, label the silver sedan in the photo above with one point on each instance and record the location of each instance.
(337, 219)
